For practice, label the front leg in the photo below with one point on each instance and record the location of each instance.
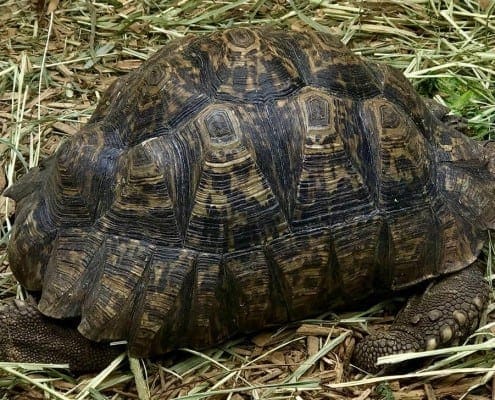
(444, 315)
(28, 336)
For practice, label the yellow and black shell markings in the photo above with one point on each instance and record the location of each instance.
(241, 179)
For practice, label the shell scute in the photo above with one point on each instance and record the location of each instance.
(330, 187)
(234, 206)
(245, 66)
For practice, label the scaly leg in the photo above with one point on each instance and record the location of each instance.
(444, 315)
(28, 336)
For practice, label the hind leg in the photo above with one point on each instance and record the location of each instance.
(28, 336)
(445, 314)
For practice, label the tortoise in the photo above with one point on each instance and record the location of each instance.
(244, 179)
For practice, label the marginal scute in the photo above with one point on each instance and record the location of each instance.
(463, 171)
(251, 281)
(164, 302)
(119, 269)
(33, 234)
(209, 303)
(459, 240)
(412, 246)
(73, 267)
(304, 276)
(364, 259)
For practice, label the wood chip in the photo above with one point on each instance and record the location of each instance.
(262, 339)
(277, 358)
(316, 330)
(430, 394)
(65, 128)
(313, 344)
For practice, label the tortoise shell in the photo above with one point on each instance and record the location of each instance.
(243, 179)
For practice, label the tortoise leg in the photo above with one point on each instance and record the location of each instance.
(445, 314)
(26, 335)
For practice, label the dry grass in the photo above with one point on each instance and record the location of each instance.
(57, 58)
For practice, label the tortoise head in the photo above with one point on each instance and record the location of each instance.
(466, 175)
